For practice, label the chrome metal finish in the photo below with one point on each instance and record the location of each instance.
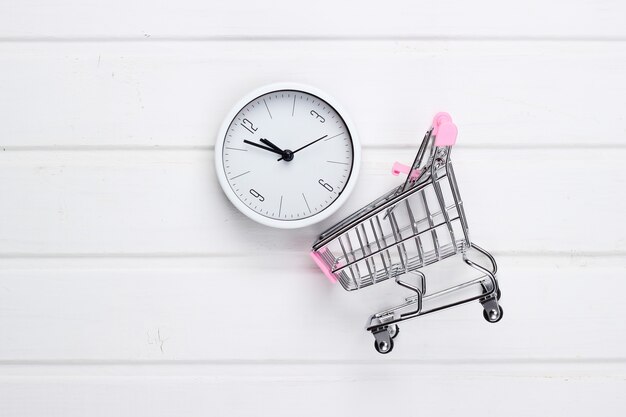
(417, 224)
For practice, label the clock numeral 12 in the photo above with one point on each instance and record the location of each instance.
(325, 185)
(257, 195)
(249, 126)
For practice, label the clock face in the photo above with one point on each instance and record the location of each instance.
(287, 157)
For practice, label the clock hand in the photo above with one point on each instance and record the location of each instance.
(307, 145)
(271, 145)
(262, 147)
(286, 155)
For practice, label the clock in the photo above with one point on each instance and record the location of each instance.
(287, 155)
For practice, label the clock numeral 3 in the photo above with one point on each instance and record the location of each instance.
(257, 195)
(325, 185)
(249, 126)
(317, 116)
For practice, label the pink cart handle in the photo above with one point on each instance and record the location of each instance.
(444, 130)
(399, 168)
(323, 265)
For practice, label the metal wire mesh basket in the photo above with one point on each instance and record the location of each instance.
(416, 224)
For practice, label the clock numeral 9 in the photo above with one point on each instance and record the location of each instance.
(317, 116)
(325, 185)
(249, 126)
(255, 194)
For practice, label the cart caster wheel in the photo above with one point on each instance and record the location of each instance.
(394, 331)
(494, 316)
(383, 347)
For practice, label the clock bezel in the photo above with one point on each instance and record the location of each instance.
(298, 223)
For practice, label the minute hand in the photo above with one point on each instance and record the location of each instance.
(308, 144)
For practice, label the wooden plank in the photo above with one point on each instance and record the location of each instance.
(281, 18)
(172, 94)
(136, 203)
(561, 389)
(270, 307)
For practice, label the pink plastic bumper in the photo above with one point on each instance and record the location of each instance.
(444, 129)
(317, 258)
(399, 168)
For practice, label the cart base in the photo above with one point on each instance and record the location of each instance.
(384, 325)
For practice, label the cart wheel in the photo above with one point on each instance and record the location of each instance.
(493, 316)
(383, 347)
(394, 330)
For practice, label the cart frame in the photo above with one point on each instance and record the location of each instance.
(431, 169)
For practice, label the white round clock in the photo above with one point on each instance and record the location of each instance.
(287, 156)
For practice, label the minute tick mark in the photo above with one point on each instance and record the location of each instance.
(247, 172)
(338, 134)
(268, 109)
(307, 203)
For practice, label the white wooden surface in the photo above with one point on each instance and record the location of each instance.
(130, 286)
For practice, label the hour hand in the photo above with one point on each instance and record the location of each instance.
(262, 147)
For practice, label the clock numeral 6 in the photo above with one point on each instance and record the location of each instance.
(317, 116)
(257, 195)
(325, 185)
(249, 126)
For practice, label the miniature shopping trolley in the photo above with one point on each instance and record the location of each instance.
(402, 233)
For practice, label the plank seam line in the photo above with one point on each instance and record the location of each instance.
(296, 38)
(313, 362)
(391, 146)
(198, 255)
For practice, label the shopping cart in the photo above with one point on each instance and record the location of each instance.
(419, 223)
